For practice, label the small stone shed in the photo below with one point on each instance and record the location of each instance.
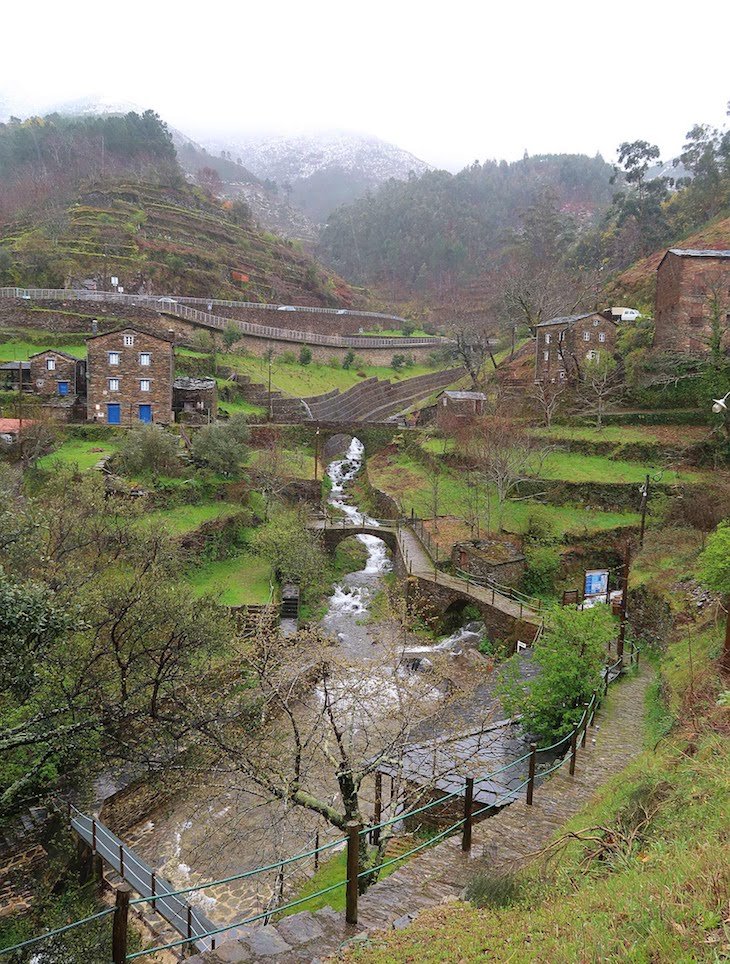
(490, 558)
(194, 399)
(453, 404)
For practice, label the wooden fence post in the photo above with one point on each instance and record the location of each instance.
(585, 727)
(153, 889)
(573, 750)
(468, 807)
(531, 774)
(120, 924)
(316, 851)
(353, 869)
(377, 817)
(121, 860)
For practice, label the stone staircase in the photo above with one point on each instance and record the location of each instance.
(506, 841)
(371, 400)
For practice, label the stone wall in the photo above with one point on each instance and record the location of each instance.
(686, 289)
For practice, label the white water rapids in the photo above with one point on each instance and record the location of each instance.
(350, 597)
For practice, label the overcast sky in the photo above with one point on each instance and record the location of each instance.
(451, 82)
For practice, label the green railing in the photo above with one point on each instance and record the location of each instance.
(565, 750)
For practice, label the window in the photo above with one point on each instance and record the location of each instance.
(546, 355)
(592, 356)
(602, 336)
(586, 336)
(128, 340)
(113, 384)
(145, 358)
(596, 322)
(50, 364)
(145, 385)
(114, 357)
(547, 339)
(561, 374)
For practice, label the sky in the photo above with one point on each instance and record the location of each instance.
(452, 83)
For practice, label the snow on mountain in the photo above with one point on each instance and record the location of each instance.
(292, 158)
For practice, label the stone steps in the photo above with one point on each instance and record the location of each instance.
(503, 842)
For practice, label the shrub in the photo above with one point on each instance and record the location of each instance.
(222, 447)
(149, 448)
(570, 655)
(231, 334)
(407, 329)
(288, 357)
(540, 528)
(397, 362)
(305, 355)
(541, 571)
(348, 360)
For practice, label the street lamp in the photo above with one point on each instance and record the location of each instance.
(719, 406)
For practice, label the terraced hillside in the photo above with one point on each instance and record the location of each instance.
(159, 236)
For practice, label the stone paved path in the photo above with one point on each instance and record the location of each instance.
(441, 873)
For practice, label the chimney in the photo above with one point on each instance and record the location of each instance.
(171, 334)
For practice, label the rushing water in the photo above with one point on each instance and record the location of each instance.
(348, 604)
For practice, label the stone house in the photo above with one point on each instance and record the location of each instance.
(130, 376)
(562, 345)
(461, 405)
(502, 562)
(691, 287)
(195, 399)
(57, 374)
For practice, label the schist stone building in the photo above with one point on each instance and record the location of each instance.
(130, 376)
(690, 286)
(562, 345)
(56, 373)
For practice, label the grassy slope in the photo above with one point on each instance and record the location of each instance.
(407, 481)
(663, 898)
(186, 518)
(313, 379)
(79, 452)
(244, 578)
(17, 349)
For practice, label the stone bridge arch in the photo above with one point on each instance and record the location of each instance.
(332, 537)
(439, 601)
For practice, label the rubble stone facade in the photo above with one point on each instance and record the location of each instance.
(130, 378)
(56, 373)
(562, 345)
(691, 287)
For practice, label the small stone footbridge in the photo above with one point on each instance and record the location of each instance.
(507, 613)
(561, 778)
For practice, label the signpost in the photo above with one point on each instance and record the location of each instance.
(595, 583)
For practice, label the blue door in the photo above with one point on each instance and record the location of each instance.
(145, 413)
(63, 388)
(114, 414)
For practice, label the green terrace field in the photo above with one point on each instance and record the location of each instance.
(80, 453)
(572, 467)
(623, 434)
(291, 378)
(241, 580)
(185, 518)
(408, 481)
(18, 349)
(576, 467)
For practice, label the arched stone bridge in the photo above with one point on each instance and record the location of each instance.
(440, 592)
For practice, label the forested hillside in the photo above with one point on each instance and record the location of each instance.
(440, 227)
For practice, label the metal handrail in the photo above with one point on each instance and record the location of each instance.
(176, 306)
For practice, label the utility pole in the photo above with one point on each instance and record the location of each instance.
(624, 600)
(316, 453)
(644, 500)
(271, 413)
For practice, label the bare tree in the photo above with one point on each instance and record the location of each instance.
(473, 349)
(600, 388)
(505, 456)
(547, 398)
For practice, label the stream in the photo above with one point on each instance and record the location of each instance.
(348, 605)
